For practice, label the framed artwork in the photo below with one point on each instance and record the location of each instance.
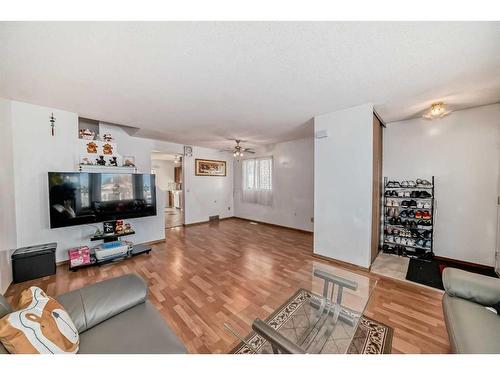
(210, 167)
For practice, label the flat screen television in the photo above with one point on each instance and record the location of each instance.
(80, 198)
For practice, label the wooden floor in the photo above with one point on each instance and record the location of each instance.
(234, 271)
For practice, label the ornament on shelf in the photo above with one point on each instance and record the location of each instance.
(107, 149)
(101, 160)
(107, 138)
(87, 134)
(113, 162)
(91, 148)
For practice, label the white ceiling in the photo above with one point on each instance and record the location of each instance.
(201, 82)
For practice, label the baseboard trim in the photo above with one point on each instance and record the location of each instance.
(274, 225)
(207, 221)
(465, 263)
(341, 263)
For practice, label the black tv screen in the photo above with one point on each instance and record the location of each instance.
(80, 198)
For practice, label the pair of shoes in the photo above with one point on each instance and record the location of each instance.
(420, 194)
(426, 215)
(424, 243)
(410, 184)
(422, 204)
(425, 183)
(424, 194)
(393, 184)
(391, 212)
(392, 203)
(422, 223)
(410, 203)
(390, 193)
(395, 221)
(409, 223)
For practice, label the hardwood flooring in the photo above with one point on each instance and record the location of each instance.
(205, 275)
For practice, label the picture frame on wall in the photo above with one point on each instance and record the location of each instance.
(204, 167)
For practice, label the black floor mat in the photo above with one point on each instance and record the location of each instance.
(430, 273)
(427, 273)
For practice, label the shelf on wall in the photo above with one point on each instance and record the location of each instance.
(106, 169)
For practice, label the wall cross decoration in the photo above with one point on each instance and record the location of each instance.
(52, 123)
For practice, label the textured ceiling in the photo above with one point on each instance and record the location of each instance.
(202, 82)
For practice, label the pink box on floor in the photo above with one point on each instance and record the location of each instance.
(79, 256)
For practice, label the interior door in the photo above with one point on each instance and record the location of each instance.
(377, 185)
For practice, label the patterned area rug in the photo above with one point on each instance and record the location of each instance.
(371, 337)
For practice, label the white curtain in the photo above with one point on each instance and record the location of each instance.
(257, 184)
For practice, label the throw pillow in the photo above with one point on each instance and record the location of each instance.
(41, 325)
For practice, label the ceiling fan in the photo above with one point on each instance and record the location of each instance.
(238, 150)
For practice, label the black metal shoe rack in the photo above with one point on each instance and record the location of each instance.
(404, 234)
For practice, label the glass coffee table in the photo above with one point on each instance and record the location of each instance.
(321, 317)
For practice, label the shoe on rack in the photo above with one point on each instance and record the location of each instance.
(425, 183)
(403, 213)
(428, 244)
(427, 205)
(398, 221)
(405, 204)
(407, 194)
(401, 194)
(414, 194)
(387, 193)
(404, 184)
(418, 215)
(420, 243)
(425, 194)
(411, 214)
(413, 203)
(412, 184)
(426, 215)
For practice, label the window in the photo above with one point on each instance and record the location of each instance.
(258, 180)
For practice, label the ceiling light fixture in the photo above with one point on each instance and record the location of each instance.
(437, 110)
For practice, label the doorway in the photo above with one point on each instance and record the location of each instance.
(169, 179)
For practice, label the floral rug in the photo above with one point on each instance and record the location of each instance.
(371, 337)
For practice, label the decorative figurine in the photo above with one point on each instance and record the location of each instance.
(85, 160)
(113, 162)
(107, 138)
(87, 134)
(128, 161)
(101, 160)
(128, 228)
(91, 148)
(119, 226)
(107, 149)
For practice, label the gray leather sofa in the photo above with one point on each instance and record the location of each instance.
(471, 327)
(114, 317)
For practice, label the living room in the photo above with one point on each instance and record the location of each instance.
(323, 204)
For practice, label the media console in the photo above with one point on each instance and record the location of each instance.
(107, 238)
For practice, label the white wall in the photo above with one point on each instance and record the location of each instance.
(7, 207)
(35, 152)
(343, 171)
(207, 195)
(462, 151)
(293, 186)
